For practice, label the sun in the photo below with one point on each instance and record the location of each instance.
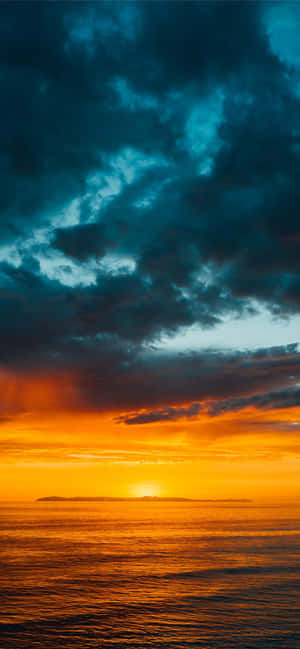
(146, 490)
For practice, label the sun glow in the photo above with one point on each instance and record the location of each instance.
(146, 490)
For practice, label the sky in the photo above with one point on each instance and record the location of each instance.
(149, 249)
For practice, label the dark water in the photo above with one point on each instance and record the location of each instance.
(129, 575)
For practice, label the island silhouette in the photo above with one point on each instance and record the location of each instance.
(139, 499)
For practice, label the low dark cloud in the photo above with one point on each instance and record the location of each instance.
(277, 400)
(270, 401)
(166, 414)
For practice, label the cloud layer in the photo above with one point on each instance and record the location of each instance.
(150, 162)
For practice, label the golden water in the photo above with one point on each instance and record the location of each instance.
(161, 575)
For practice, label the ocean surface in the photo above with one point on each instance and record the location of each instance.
(138, 575)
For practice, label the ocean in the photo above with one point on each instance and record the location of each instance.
(149, 574)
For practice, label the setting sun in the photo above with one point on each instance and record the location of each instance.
(146, 490)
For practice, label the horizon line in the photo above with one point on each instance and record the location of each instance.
(137, 498)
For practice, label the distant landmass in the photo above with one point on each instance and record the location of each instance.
(140, 499)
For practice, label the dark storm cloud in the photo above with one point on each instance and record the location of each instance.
(40, 316)
(88, 240)
(57, 105)
(36, 315)
(100, 106)
(199, 42)
(49, 328)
